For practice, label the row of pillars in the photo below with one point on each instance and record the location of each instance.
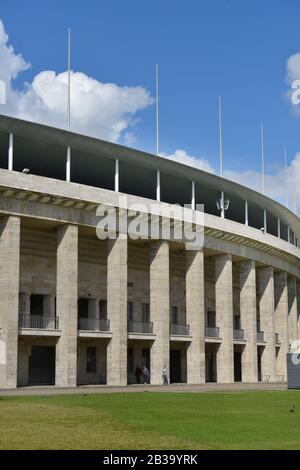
(275, 306)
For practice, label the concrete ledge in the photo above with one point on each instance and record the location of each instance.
(94, 334)
(38, 332)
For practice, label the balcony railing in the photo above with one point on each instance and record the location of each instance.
(179, 329)
(260, 336)
(143, 327)
(93, 324)
(277, 339)
(212, 331)
(39, 321)
(239, 334)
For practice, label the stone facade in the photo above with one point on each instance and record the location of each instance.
(77, 310)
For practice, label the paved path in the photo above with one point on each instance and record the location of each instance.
(211, 387)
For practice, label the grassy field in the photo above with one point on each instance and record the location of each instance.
(235, 420)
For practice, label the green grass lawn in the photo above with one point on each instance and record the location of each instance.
(150, 420)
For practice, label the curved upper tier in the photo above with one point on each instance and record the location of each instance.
(42, 149)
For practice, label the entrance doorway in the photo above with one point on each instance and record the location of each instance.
(42, 365)
(210, 363)
(260, 351)
(175, 366)
(237, 366)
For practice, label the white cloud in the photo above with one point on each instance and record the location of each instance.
(104, 110)
(293, 68)
(182, 156)
(274, 183)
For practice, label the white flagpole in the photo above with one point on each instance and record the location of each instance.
(262, 157)
(68, 162)
(295, 194)
(285, 177)
(220, 136)
(157, 113)
(69, 80)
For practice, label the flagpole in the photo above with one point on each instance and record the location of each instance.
(68, 162)
(262, 156)
(157, 113)
(285, 176)
(220, 136)
(69, 80)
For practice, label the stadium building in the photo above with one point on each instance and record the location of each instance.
(76, 309)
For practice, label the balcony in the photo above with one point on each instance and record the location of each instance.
(142, 327)
(212, 332)
(179, 329)
(41, 322)
(93, 324)
(239, 334)
(277, 339)
(260, 336)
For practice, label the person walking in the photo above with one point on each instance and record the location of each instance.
(165, 375)
(146, 375)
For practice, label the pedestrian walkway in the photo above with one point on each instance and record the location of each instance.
(176, 388)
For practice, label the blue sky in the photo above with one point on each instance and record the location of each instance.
(234, 48)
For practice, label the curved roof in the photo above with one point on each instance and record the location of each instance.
(138, 162)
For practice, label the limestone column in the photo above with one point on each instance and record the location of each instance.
(159, 309)
(265, 280)
(195, 315)
(9, 299)
(117, 310)
(248, 319)
(298, 308)
(224, 315)
(281, 320)
(292, 310)
(66, 305)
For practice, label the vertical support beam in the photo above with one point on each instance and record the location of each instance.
(222, 205)
(68, 164)
(66, 305)
(265, 221)
(117, 178)
(11, 152)
(281, 320)
(288, 234)
(224, 314)
(117, 310)
(9, 299)
(292, 310)
(193, 201)
(195, 315)
(158, 185)
(278, 228)
(159, 309)
(265, 280)
(248, 319)
(246, 213)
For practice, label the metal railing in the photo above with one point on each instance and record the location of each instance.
(239, 334)
(260, 336)
(93, 324)
(179, 329)
(140, 327)
(212, 331)
(42, 322)
(277, 339)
